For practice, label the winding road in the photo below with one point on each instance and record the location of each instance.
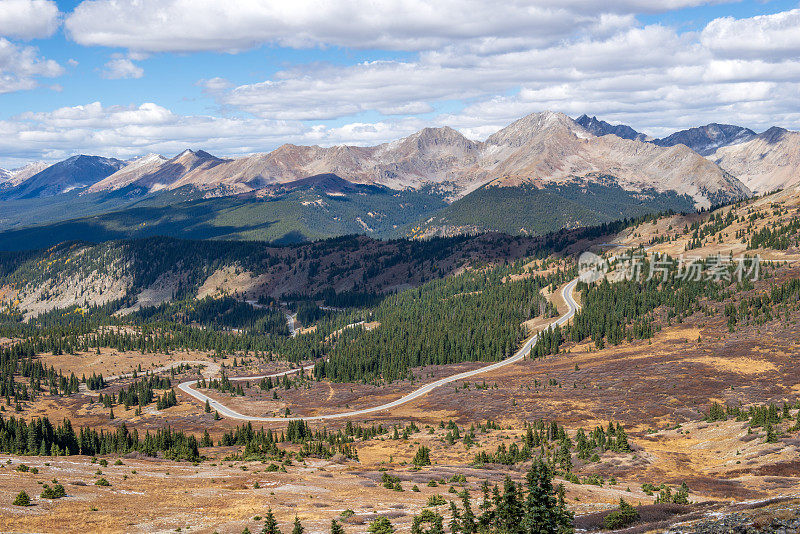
(187, 387)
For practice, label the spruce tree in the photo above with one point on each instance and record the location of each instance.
(428, 517)
(468, 525)
(298, 528)
(381, 526)
(544, 513)
(422, 457)
(270, 524)
(336, 528)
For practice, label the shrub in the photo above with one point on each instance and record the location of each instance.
(436, 500)
(22, 499)
(622, 517)
(102, 482)
(381, 526)
(422, 457)
(55, 492)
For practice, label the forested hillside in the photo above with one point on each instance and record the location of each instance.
(338, 272)
(311, 212)
(531, 210)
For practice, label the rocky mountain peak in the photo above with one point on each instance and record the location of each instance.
(599, 127)
(527, 128)
(705, 140)
(774, 134)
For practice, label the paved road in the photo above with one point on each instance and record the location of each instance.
(187, 387)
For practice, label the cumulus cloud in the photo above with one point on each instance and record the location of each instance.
(405, 87)
(651, 76)
(491, 63)
(20, 66)
(28, 19)
(122, 68)
(773, 36)
(201, 25)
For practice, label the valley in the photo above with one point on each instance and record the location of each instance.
(688, 382)
(399, 267)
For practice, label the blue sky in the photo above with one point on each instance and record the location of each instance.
(127, 77)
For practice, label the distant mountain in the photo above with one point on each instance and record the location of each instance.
(74, 173)
(129, 174)
(550, 148)
(598, 127)
(530, 210)
(14, 177)
(327, 183)
(433, 155)
(307, 192)
(705, 140)
(766, 162)
(155, 172)
(540, 148)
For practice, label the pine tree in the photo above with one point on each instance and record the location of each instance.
(336, 528)
(422, 457)
(380, 526)
(205, 441)
(455, 519)
(428, 517)
(270, 524)
(772, 436)
(508, 508)
(298, 528)
(544, 514)
(208, 406)
(468, 525)
(622, 440)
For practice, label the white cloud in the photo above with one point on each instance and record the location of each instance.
(20, 66)
(650, 76)
(192, 25)
(764, 36)
(121, 68)
(28, 19)
(497, 62)
(129, 131)
(201, 25)
(403, 87)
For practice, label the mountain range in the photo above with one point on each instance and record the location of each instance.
(595, 170)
